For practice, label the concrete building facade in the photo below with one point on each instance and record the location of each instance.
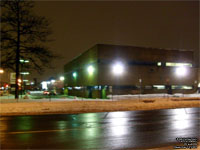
(112, 69)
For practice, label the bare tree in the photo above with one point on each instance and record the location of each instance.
(23, 35)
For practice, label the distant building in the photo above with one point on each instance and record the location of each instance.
(111, 69)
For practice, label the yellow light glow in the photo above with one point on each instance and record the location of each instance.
(19, 80)
(1, 71)
(90, 70)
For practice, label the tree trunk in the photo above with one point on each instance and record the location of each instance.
(17, 54)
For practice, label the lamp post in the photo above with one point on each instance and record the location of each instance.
(140, 80)
(22, 62)
(61, 87)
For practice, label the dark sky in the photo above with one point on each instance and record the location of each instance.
(77, 26)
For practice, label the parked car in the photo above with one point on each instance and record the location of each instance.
(46, 92)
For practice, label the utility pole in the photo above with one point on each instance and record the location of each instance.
(17, 53)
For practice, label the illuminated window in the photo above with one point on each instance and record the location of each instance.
(77, 87)
(182, 87)
(170, 64)
(159, 87)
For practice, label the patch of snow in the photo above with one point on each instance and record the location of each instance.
(160, 95)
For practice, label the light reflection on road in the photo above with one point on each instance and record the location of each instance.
(181, 119)
(25, 123)
(114, 130)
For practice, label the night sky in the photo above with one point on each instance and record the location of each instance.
(77, 26)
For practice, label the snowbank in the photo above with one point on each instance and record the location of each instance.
(161, 95)
(80, 106)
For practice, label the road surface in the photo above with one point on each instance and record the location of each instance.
(113, 130)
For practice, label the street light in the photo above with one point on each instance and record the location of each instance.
(118, 68)
(90, 69)
(1, 71)
(24, 73)
(44, 85)
(181, 71)
(24, 61)
(19, 80)
(62, 78)
(74, 74)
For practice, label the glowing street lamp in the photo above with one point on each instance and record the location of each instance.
(118, 68)
(62, 78)
(24, 73)
(1, 71)
(24, 61)
(181, 71)
(19, 82)
(90, 70)
(74, 74)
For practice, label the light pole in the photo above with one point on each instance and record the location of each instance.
(140, 80)
(22, 62)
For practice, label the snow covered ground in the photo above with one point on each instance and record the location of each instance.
(161, 95)
(47, 106)
(10, 98)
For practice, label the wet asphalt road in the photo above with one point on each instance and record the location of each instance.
(113, 130)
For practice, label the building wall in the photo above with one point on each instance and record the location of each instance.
(85, 93)
(199, 74)
(149, 74)
(140, 63)
(79, 65)
(130, 53)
